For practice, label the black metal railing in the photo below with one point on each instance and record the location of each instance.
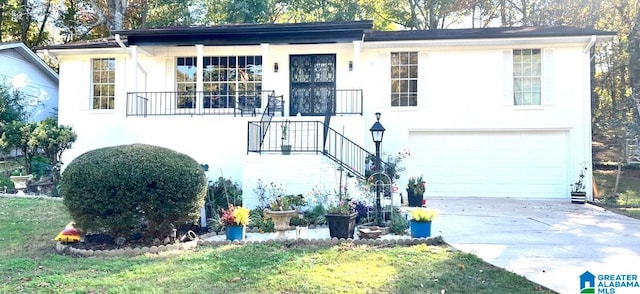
(256, 131)
(348, 101)
(309, 137)
(197, 103)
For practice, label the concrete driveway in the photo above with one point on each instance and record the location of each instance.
(550, 242)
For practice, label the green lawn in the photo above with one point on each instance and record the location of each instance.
(628, 187)
(29, 264)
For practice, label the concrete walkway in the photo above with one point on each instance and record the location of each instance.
(551, 242)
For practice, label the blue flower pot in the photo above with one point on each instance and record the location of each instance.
(235, 232)
(420, 229)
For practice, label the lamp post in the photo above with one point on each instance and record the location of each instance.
(377, 131)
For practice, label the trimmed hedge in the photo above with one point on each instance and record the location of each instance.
(116, 189)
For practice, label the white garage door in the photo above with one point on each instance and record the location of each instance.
(530, 164)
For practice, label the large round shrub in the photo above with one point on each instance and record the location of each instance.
(118, 188)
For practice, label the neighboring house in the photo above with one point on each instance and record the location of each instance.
(26, 72)
(496, 112)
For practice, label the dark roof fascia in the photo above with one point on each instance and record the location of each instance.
(482, 33)
(91, 44)
(252, 34)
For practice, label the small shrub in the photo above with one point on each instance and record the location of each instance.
(398, 224)
(40, 166)
(6, 182)
(220, 194)
(365, 213)
(263, 224)
(316, 215)
(118, 188)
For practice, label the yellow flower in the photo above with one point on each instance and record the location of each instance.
(241, 215)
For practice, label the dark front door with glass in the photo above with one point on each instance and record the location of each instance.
(312, 84)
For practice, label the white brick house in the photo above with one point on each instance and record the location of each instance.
(499, 112)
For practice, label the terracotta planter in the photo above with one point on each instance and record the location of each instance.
(341, 226)
(280, 219)
(20, 183)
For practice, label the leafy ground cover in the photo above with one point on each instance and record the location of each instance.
(627, 200)
(29, 264)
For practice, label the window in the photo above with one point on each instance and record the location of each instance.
(226, 78)
(527, 77)
(404, 79)
(186, 82)
(103, 71)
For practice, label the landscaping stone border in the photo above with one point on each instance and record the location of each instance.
(67, 249)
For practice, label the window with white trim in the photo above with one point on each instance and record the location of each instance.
(227, 78)
(186, 68)
(404, 79)
(103, 72)
(527, 77)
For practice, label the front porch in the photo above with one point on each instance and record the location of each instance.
(241, 103)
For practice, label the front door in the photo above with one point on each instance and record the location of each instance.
(312, 84)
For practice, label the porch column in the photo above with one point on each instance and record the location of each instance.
(134, 77)
(199, 82)
(266, 78)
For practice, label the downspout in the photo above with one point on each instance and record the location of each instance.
(590, 44)
(119, 41)
(123, 46)
(587, 111)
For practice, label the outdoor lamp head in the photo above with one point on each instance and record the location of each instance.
(377, 130)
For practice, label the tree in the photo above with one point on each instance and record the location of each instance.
(53, 140)
(19, 135)
(11, 108)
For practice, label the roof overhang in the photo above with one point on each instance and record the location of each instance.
(251, 34)
(524, 41)
(32, 57)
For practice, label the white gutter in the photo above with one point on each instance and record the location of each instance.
(48, 54)
(123, 46)
(591, 43)
(119, 41)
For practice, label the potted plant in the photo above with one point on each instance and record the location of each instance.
(415, 191)
(20, 181)
(420, 223)
(235, 220)
(281, 211)
(341, 219)
(285, 147)
(578, 193)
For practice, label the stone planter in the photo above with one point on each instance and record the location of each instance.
(280, 219)
(20, 183)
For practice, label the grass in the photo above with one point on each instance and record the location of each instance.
(29, 264)
(628, 187)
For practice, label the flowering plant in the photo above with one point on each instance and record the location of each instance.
(423, 215)
(234, 216)
(417, 184)
(342, 207)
